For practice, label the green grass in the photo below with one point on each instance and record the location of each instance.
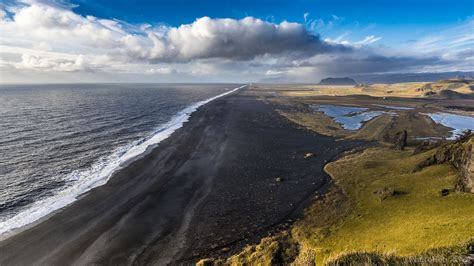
(350, 225)
(413, 221)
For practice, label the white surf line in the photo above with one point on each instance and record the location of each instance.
(99, 173)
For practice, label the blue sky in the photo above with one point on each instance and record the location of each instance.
(398, 20)
(383, 12)
(294, 41)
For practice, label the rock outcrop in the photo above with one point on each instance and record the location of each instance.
(461, 155)
(401, 140)
(338, 81)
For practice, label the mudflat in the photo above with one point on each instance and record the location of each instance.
(235, 171)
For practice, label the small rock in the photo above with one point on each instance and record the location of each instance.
(279, 179)
(308, 155)
(383, 193)
(444, 192)
(206, 262)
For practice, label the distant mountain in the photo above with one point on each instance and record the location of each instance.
(410, 77)
(337, 81)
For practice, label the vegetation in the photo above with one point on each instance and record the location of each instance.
(414, 223)
(387, 206)
(406, 90)
(382, 128)
(317, 122)
(414, 220)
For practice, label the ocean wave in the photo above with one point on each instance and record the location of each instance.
(99, 173)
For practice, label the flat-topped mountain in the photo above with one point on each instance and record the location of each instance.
(337, 81)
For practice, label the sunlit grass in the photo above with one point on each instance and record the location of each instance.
(407, 89)
(414, 220)
(351, 225)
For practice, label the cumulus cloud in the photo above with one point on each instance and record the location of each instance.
(51, 37)
(237, 39)
(205, 38)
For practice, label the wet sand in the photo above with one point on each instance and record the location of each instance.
(208, 189)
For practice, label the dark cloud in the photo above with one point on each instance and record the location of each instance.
(348, 65)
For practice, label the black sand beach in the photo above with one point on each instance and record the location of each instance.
(227, 177)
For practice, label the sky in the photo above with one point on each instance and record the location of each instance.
(230, 41)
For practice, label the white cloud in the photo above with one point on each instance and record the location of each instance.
(29, 61)
(42, 46)
(305, 16)
(272, 72)
(341, 39)
(51, 38)
(369, 40)
(50, 28)
(236, 39)
(321, 25)
(160, 70)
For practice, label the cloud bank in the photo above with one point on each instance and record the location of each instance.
(38, 38)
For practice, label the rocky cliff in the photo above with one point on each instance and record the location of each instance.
(460, 154)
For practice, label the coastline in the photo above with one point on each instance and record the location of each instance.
(210, 187)
(33, 215)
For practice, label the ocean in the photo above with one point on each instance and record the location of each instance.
(59, 141)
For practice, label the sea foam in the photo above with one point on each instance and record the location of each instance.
(100, 172)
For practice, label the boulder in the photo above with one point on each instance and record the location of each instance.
(383, 193)
(444, 192)
(401, 140)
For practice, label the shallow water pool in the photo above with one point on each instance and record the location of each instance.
(458, 123)
(350, 118)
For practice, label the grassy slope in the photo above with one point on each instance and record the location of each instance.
(317, 122)
(350, 222)
(415, 221)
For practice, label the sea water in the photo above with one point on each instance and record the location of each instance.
(59, 141)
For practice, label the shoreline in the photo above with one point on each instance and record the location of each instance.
(134, 153)
(218, 171)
